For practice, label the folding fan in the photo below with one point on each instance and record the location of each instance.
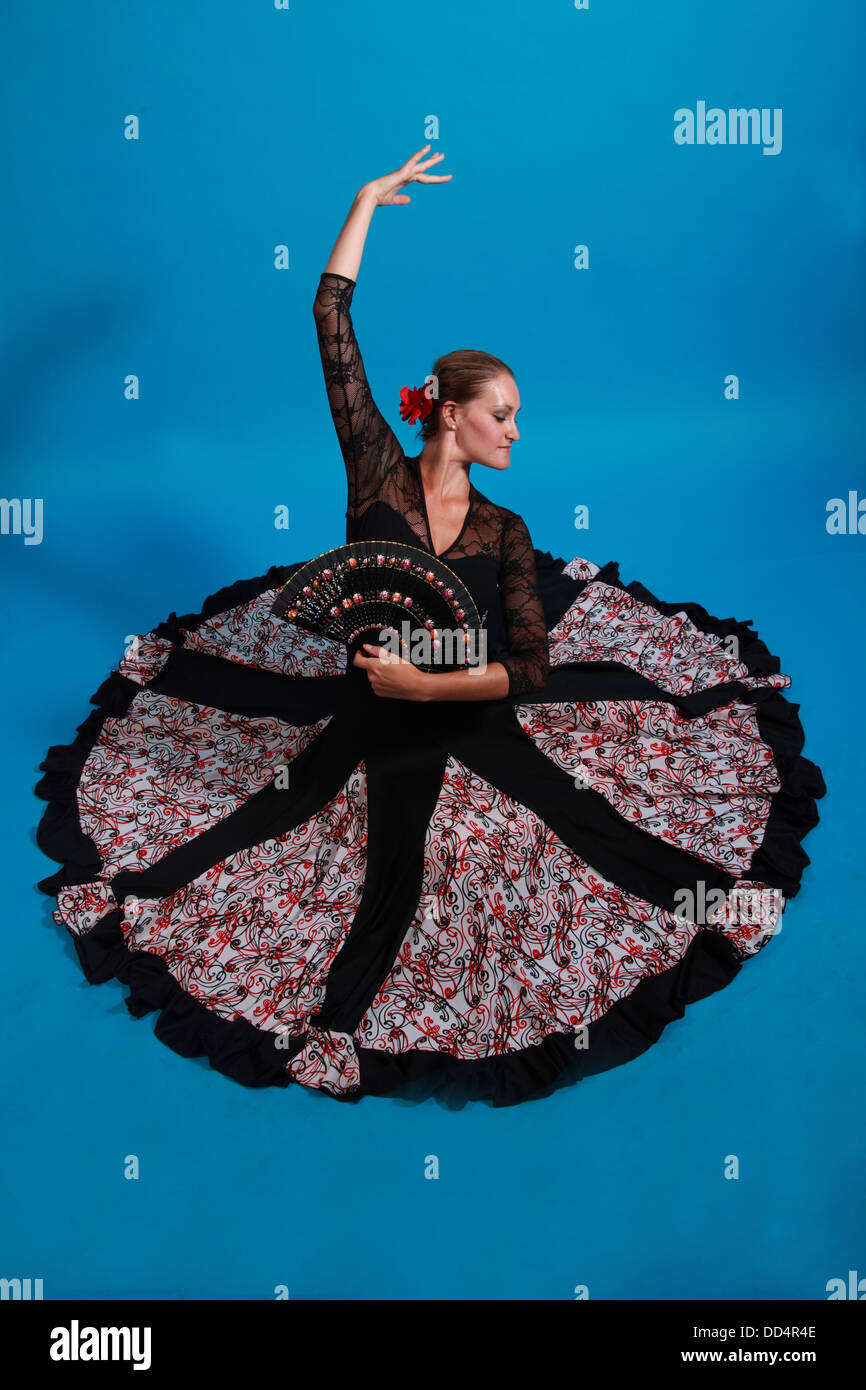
(353, 592)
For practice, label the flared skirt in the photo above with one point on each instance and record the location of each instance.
(473, 899)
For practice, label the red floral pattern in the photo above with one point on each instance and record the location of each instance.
(250, 635)
(515, 937)
(253, 936)
(145, 657)
(327, 1060)
(610, 624)
(169, 769)
(704, 784)
(580, 569)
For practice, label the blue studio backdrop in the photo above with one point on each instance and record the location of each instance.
(681, 300)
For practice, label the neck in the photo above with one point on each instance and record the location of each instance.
(443, 471)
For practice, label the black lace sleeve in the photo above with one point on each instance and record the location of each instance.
(369, 446)
(527, 658)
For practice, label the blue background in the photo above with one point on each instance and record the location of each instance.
(156, 257)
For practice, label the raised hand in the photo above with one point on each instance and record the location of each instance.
(387, 188)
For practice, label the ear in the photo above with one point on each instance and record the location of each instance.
(449, 412)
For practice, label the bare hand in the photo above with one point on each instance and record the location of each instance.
(386, 189)
(391, 675)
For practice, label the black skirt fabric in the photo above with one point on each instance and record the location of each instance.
(477, 900)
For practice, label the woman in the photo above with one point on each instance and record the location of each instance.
(375, 879)
(429, 500)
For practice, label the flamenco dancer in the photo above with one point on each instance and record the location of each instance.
(323, 866)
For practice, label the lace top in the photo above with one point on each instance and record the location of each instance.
(378, 472)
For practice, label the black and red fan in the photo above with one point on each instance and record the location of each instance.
(351, 593)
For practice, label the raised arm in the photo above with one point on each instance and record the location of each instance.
(368, 444)
(527, 658)
(370, 447)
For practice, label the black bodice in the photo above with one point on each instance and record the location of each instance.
(492, 554)
(380, 522)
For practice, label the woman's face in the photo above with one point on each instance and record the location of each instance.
(487, 425)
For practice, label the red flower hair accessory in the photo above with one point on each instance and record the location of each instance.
(415, 404)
